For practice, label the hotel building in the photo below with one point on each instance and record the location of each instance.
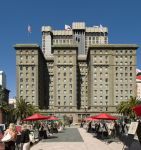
(77, 73)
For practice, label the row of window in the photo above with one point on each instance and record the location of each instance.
(64, 80)
(100, 85)
(64, 97)
(64, 92)
(27, 74)
(123, 68)
(65, 74)
(100, 97)
(27, 91)
(125, 80)
(27, 86)
(101, 91)
(27, 68)
(62, 41)
(124, 74)
(64, 68)
(64, 85)
(124, 63)
(28, 98)
(27, 52)
(27, 79)
(59, 103)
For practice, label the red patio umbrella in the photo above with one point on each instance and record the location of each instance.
(137, 110)
(105, 117)
(52, 118)
(36, 117)
(90, 119)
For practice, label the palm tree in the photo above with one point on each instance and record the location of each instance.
(125, 107)
(23, 109)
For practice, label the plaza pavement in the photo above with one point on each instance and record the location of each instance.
(88, 142)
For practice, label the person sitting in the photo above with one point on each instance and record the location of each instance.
(10, 145)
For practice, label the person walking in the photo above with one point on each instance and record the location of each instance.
(25, 140)
(10, 145)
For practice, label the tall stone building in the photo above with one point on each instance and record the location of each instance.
(31, 74)
(77, 73)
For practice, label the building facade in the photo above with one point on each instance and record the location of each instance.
(3, 79)
(138, 86)
(77, 73)
(31, 74)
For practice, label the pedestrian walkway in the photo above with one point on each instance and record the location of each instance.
(67, 135)
(88, 142)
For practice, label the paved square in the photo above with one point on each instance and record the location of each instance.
(68, 135)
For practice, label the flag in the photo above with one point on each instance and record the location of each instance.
(29, 29)
(67, 27)
(138, 71)
(101, 28)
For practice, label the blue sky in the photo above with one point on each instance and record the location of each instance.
(122, 17)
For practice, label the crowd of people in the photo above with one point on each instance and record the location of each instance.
(24, 137)
(10, 143)
(104, 129)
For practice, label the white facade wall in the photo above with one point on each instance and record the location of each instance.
(138, 84)
(3, 79)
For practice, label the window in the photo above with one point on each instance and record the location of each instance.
(21, 74)
(21, 68)
(21, 92)
(21, 86)
(64, 91)
(21, 58)
(65, 98)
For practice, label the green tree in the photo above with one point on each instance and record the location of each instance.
(4, 107)
(125, 107)
(23, 109)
